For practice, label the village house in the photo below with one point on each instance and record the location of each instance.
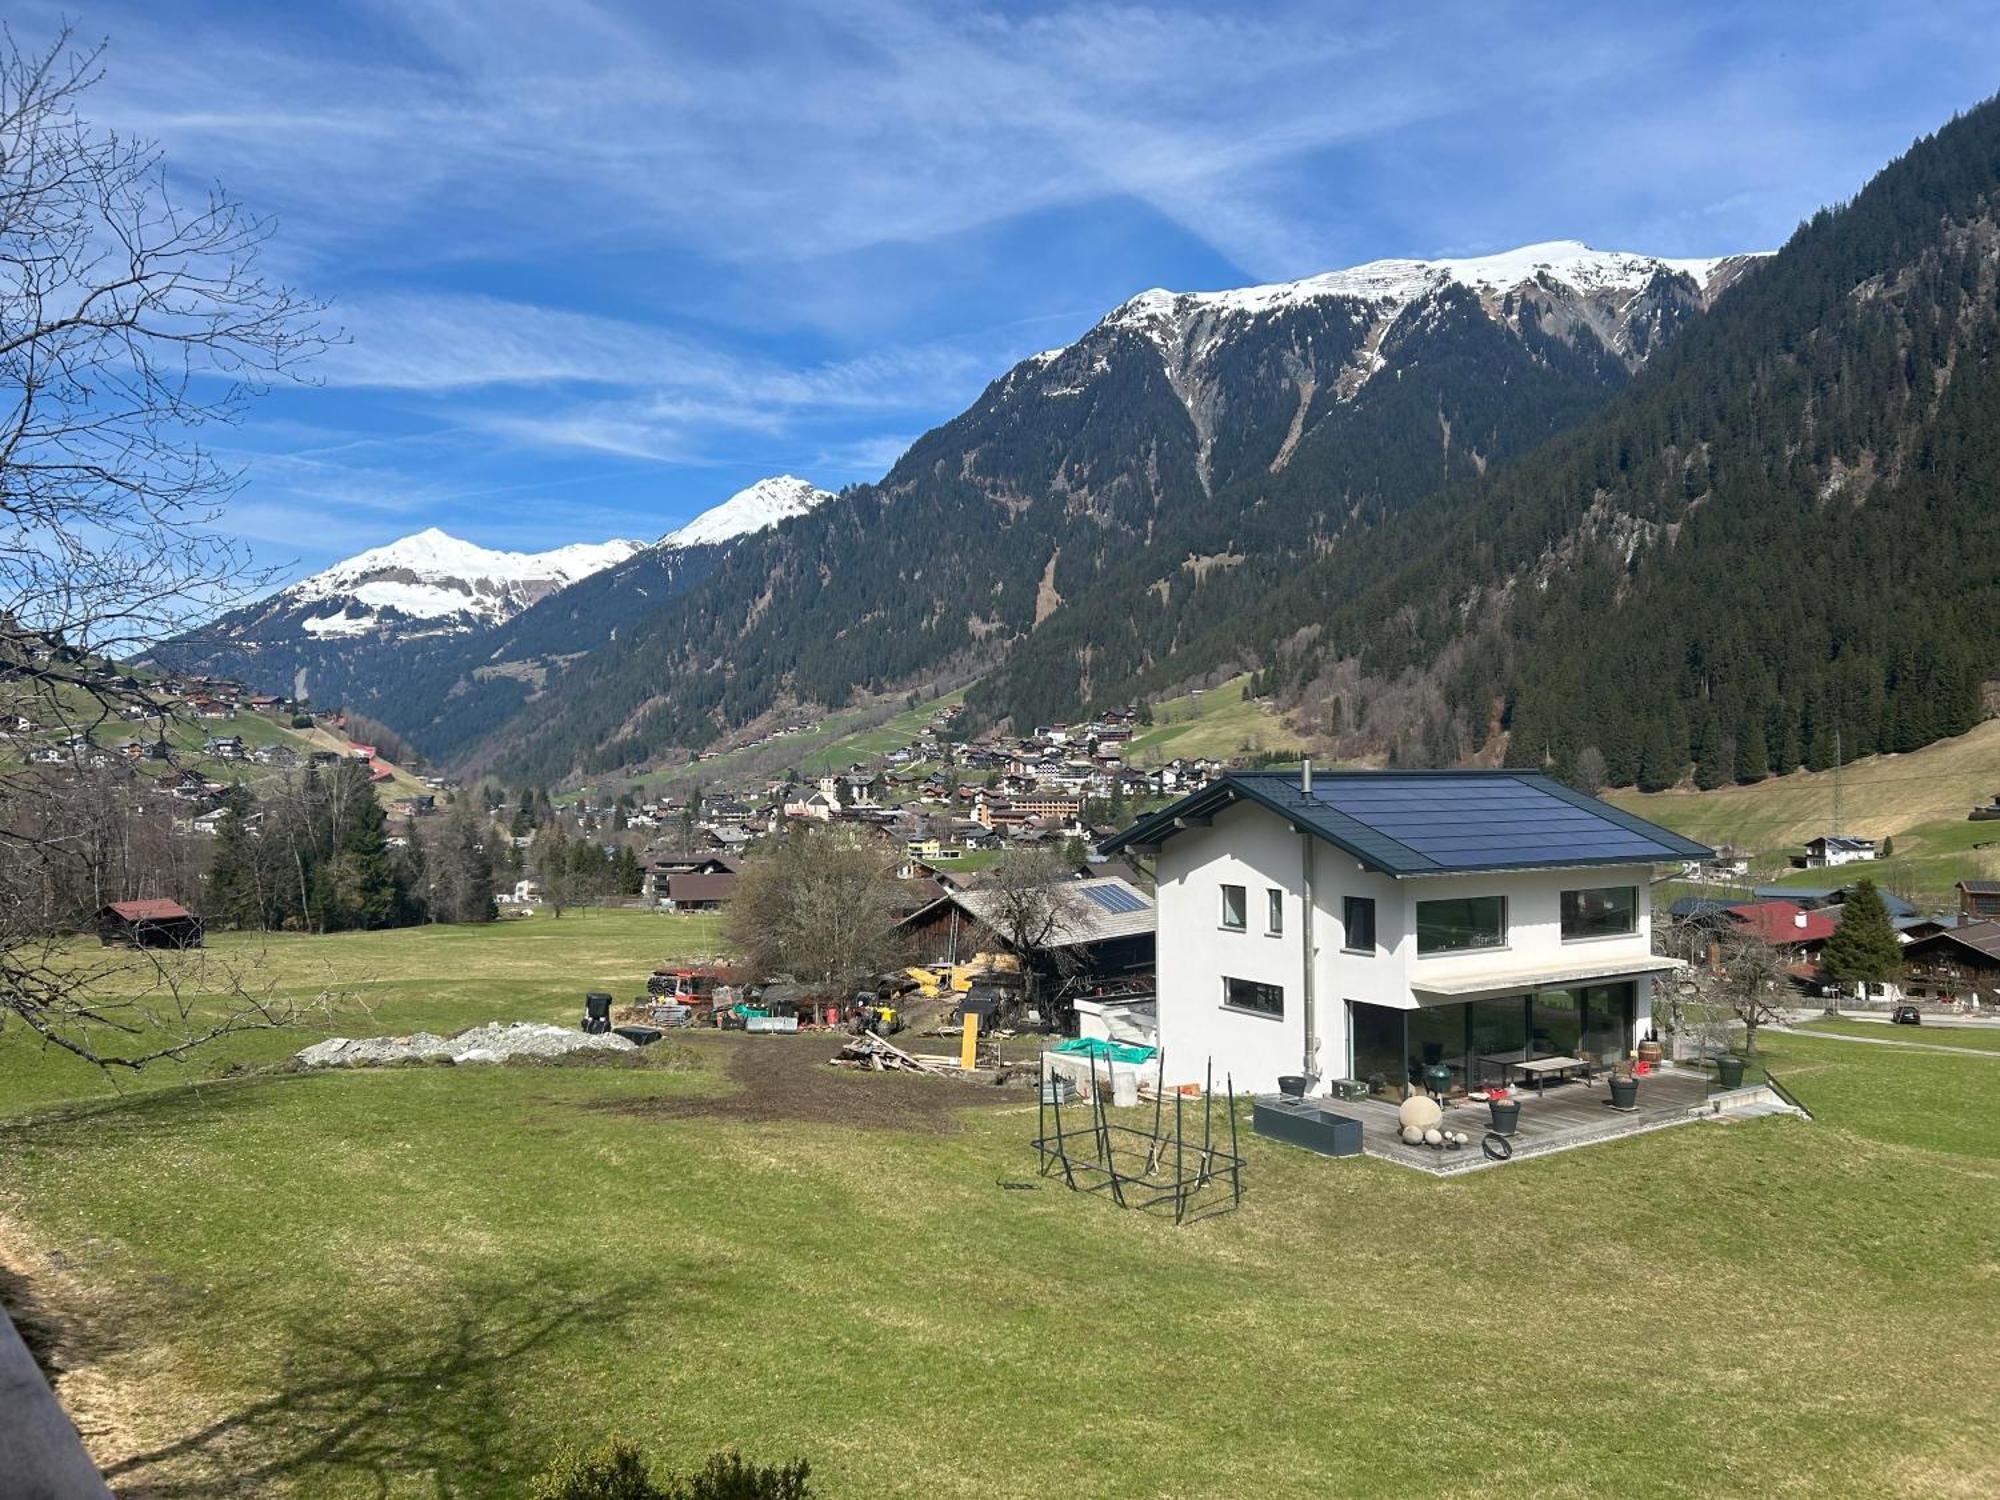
(1978, 900)
(1830, 850)
(701, 890)
(1380, 926)
(1955, 966)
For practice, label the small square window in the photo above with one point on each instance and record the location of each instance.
(1274, 911)
(1235, 908)
(1358, 923)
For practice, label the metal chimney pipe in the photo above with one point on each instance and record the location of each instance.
(1306, 777)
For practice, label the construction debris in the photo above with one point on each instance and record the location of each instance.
(871, 1052)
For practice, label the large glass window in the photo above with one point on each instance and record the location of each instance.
(1607, 1021)
(1499, 1037)
(1607, 911)
(1555, 1023)
(1357, 921)
(1437, 1040)
(1376, 1034)
(1235, 908)
(1249, 994)
(1462, 923)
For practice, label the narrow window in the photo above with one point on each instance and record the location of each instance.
(1250, 995)
(1358, 924)
(1461, 924)
(1274, 911)
(1235, 908)
(1608, 911)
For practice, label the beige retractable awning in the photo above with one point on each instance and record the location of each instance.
(1475, 984)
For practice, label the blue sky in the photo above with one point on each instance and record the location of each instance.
(602, 265)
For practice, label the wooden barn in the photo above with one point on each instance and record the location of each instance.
(149, 924)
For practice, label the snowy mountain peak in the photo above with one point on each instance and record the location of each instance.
(1569, 263)
(763, 504)
(441, 580)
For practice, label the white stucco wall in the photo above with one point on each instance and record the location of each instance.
(1249, 846)
(1534, 921)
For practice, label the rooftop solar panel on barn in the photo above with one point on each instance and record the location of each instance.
(1114, 898)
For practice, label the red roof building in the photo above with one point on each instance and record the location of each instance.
(1784, 924)
(149, 924)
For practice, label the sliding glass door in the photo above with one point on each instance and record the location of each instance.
(1479, 1041)
(1499, 1037)
(1375, 1033)
(1555, 1023)
(1607, 1021)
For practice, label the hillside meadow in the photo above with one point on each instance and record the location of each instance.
(416, 1281)
(1919, 799)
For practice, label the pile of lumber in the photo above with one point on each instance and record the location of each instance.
(871, 1052)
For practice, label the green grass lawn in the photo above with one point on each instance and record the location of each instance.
(1973, 1039)
(415, 1281)
(1221, 722)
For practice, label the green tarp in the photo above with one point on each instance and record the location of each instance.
(1091, 1046)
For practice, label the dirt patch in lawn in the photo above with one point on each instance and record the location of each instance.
(779, 1078)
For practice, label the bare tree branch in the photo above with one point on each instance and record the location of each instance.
(130, 320)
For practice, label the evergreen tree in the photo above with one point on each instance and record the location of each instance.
(234, 898)
(1863, 948)
(1753, 761)
(461, 884)
(356, 886)
(1658, 769)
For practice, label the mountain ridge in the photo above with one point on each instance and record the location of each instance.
(1211, 440)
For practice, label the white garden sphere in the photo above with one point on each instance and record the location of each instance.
(1420, 1111)
(1412, 1135)
(1433, 1137)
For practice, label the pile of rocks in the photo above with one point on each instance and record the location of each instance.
(495, 1042)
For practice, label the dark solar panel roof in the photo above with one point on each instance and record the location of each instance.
(1437, 822)
(1114, 898)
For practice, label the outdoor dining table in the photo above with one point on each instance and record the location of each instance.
(1542, 1068)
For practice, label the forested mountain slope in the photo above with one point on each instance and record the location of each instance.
(1788, 527)
(1188, 443)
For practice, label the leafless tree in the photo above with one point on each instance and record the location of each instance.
(1748, 984)
(819, 906)
(1031, 894)
(131, 318)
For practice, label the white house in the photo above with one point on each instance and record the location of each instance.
(1371, 924)
(1831, 849)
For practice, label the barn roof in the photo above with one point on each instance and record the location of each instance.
(150, 911)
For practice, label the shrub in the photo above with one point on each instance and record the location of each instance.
(727, 1477)
(615, 1470)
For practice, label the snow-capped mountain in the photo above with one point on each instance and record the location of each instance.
(1623, 298)
(433, 581)
(440, 637)
(765, 503)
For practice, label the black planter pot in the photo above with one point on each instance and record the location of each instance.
(1729, 1071)
(1624, 1093)
(1506, 1115)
